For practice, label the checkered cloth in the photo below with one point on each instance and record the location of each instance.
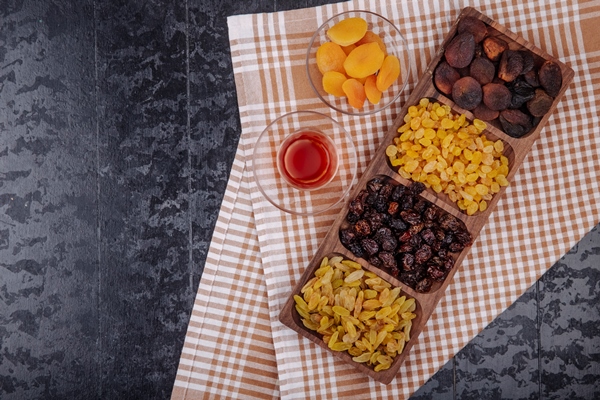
(235, 346)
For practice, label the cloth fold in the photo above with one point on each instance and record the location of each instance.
(235, 346)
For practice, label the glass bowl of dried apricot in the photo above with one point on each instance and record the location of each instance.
(358, 62)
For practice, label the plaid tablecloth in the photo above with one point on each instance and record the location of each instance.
(236, 348)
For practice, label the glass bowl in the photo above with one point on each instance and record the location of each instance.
(304, 163)
(395, 44)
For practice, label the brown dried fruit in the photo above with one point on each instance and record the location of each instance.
(496, 96)
(540, 104)
(494, 47)
(550, 77)
(484, 113)
(531, 78)
(528, 61)
(521, 91)
(460, 51)
(444, 77)
(483, 70)
(467, 93)
(474, 26)
(515, 123)
(511, 66)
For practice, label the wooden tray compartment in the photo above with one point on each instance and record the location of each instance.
(516, 149)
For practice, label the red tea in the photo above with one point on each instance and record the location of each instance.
(307, 159)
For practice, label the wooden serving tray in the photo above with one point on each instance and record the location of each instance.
(516, 150)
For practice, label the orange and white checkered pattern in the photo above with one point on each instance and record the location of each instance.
(235, 346)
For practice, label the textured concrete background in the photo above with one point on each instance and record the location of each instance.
(118, 126)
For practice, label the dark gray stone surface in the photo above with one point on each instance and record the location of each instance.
(118, 126)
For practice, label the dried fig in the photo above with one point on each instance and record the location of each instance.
(550, 77)
(496, 96)
(444, 77)
(531, 78)
(484, 113)
(483, 70)
(494, 47)
(521, 91)
(540, 104)
(459, 52)
(511, 65)
(528, 61)
(467, 93)
(474, 26)
(515, 123)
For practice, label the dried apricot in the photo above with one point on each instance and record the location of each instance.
(349, 48)
(330, 57)
(388, 73)
(355, 92)
(371, 90)
(347, 31)
(364, 60)
(332, 83)
(371, 37)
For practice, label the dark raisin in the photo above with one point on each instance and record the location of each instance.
(405, 236)
(463, 237)
(409, 278)
(397, 192)
(347, 236)
(423, 254)
(406, 248)
(393, 208)
(416, 241)
(416, 187)
(407, 202)
(428, 236)
(450, 223)
(370, 199)
(411, 217)
(375, 261)
(388, 259)
(416, 228)
(380, 204)
(370, 246)
(376, 220)
(420, 206)
(352, 218)
(456, 247)
(356, 249)
(408, 262)
(386, 190)
(374, 185)
(362, 228)
(423, 286)
(436, 273)
(397, 224)
(431, 213)
(356, 207)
